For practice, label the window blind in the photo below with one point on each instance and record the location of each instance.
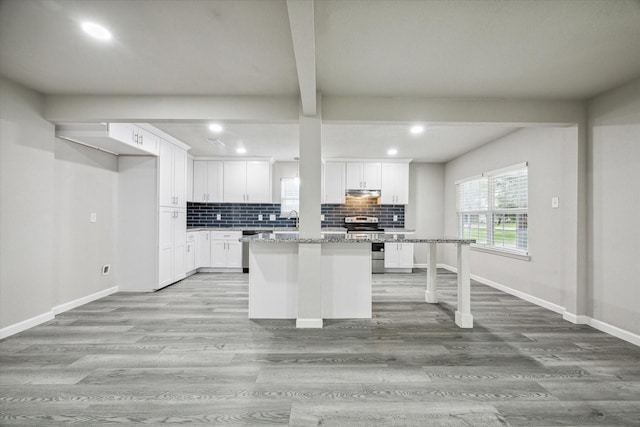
(289, 195)
(493, 208)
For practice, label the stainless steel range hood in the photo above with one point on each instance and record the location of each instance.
(362, 193)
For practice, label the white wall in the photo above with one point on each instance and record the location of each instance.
(26, 200)
(550, 153)
(86, 181)
(50, 254)
(614, 227)
(425, 211)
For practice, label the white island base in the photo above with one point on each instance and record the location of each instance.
(346, 280)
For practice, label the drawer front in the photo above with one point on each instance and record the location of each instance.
(191, 237)
(226, 235)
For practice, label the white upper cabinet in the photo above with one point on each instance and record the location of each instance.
(395, 183)
(207, 181)
(247, 181)
(258, 182)
(172, 175)
(363, 175)
(334, 182)
(116, 138)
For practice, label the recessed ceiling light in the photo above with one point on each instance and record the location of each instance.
(96, 31)
(392, 151)
(241, 150)
(216, 127)
(417, 129)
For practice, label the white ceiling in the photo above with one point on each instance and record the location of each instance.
(437, 144)
(564, 49)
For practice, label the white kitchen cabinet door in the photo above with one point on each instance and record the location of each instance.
(391, 254)
(180, 177)
(191, 256)
(234, 254)
(395, 183)
(200, 180)
(166, 174)
(334, 182)
(371, 176)
(235, 182)
(165, 238)
(405, 258)
(179, 244)
(146, 140)
(363, 175)
(214, 181)
(122, 132)
(172, 175)
(203, 250)
(398, 255)
(258, 182)
(354, 176)
(218, 254)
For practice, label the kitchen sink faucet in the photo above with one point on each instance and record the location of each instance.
(296, 216)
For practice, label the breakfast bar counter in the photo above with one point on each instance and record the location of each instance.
(346, 274)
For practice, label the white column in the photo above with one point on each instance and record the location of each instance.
(464, 319)
(309, 254)
(430, 294)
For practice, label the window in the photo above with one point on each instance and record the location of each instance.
(289, 195)
(493, 209)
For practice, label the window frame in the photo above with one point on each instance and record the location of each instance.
(285, 213)
(491, 212)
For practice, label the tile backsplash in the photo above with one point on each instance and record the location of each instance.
(246, 214)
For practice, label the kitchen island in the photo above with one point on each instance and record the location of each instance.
(346, 274)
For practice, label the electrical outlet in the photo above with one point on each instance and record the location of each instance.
(260, 217)
(218, 217)
(93, 217)
(395, 217)
(272, 217)
(555, 202)
(322, 217)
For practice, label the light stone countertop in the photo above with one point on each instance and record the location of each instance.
(277, 229)
(347, 238)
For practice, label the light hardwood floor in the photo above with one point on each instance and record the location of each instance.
(188, 354)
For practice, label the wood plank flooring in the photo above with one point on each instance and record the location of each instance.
(188, 354)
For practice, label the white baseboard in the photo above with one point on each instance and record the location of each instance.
(420, 265)
(617, 332)
(26, 324)
(50, 315)
(576, 319)
(84, 300)
(448, 267)
(570, 317)
(309, 323)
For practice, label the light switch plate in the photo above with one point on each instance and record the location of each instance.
(260, 217)
(395, 217)
(218, 217)
(555, 202)
(272, 217)
(322, 217)
(94, 217)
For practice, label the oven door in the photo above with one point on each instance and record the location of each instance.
(377, 258)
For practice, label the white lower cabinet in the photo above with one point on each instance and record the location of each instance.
(173, 244)
(203, 249)
(398, 256)
(226, 250)
(191, 251)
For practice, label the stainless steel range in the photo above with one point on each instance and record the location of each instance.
(363, 227)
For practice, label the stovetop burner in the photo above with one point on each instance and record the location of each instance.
(362, 225)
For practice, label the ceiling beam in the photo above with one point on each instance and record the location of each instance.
(149, 108)
(301, 21)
